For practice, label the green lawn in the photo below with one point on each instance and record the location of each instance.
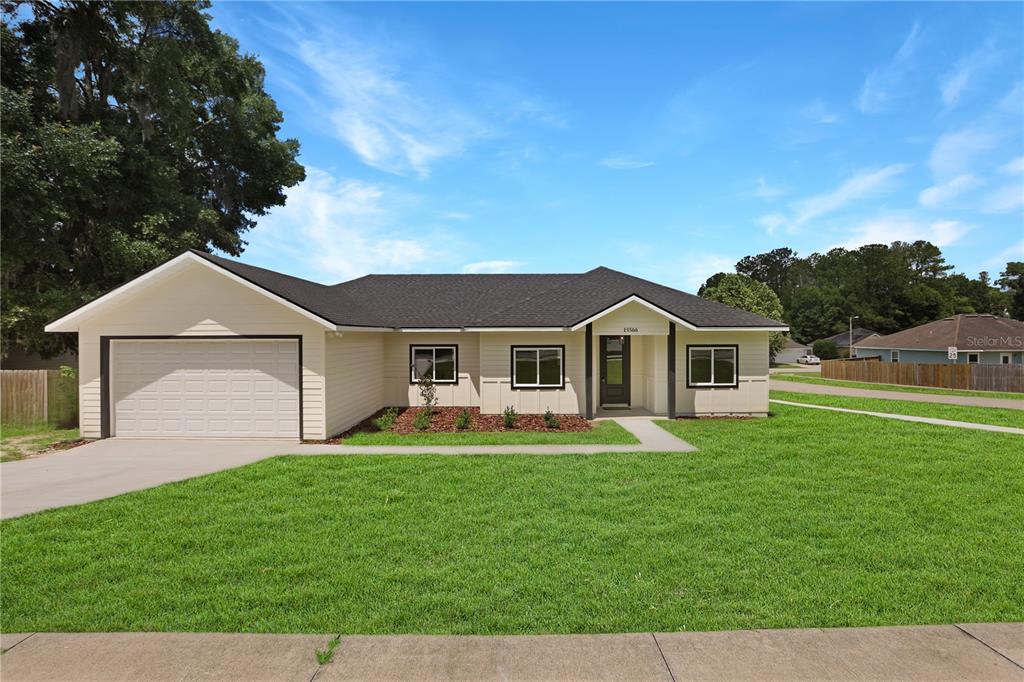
(603, 433)
(17, 442)
(978, 415)
(811, 379)
(801, 519)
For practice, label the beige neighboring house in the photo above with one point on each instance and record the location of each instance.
(208, 347)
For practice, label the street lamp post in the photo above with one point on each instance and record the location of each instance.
(852, 354)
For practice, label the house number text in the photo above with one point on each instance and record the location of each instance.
(630, 330)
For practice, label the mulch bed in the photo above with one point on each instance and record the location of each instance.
(443, 421)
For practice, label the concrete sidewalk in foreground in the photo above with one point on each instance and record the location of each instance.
(115, 466)
(908, 418)
(964, 400)
(990, 651)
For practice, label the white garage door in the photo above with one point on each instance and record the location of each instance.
(205, 389)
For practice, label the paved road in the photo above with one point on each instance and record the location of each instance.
(932, 652)
(115, 466)
(969, 401)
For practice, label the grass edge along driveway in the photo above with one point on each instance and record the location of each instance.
(895, 388)
(976, 415)
(802, 519)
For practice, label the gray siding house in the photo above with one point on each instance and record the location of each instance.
(983, 339)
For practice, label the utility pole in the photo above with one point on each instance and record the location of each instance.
(851, 354)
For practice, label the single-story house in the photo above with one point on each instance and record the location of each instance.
(842, 340)
(205, 346)
(984, 339)
(791, 350)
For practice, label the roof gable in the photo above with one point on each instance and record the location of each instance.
(965, 331)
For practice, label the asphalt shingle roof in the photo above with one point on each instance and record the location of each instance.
(555, 300)
(966, 332)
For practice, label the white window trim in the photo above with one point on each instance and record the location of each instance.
(1009, 358)
(537, 349)
(713, 384)
(977, 356)
(894, 356)
(413, 379)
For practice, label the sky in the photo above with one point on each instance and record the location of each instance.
(663, 140)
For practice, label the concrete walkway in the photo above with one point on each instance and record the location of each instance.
(115, 466)
(932, 652)
(965, 400)
(909, 418)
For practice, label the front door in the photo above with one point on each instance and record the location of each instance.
(615, 370)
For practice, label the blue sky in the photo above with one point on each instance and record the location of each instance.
(665, 140)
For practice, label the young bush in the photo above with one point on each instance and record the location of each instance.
(550, 420)
(462, 420)
(509, 416)
(421, 422)
(826, 350)
(386, 419)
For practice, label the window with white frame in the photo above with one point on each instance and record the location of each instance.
(1004, 358)
(973, 358)
(440, 363)
(712, 366)
(538, 366)
(894, 356)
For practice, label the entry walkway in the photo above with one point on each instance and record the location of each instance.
(115, 466)
(908, 418)
(966, 400)
(990, 651)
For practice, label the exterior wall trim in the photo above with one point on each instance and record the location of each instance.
(105, 385)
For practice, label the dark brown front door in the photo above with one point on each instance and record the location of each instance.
(615, 370)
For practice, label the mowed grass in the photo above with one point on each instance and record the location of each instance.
(802, 519)
(18, 442)
(603, 433)
(978, 415)
(895, 388)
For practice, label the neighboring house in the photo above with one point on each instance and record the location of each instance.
(204, 346)
(985, 339)
(791, 351)
(842, 339)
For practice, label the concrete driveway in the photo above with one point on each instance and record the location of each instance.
(115, 466)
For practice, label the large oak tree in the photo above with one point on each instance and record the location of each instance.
(131, 131)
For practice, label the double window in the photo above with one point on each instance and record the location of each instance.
(712, 366)
(439, 363)
(538, 366)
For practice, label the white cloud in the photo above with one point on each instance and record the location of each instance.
(859, 186)
(882, 83)
(1013, 253)
(455, 215)
(338, 228)
(767, 191)
(939, 194)
(1005, 199)
(818, 112)
(772, 222)
(954, 152)
(954, 82)
(890, 228)
(492, 266)
(620, 163)
(1013, 167)
(703, 265)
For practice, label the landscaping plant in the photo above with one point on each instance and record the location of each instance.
(462, 420)
(509, 417)
(422, 420)
(550, 420)
(386, 419)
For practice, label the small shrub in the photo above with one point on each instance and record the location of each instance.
(386, 419)
(826, 350)
(510, 416)
(462, 420)
(421, 422)
(550, 420)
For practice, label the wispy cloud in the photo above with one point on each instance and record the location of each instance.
(1013, 253)
(954, 152)
(883, 84)
(1013, 167)
(890, 228)
(858, 186)
(492, 266)
(1005, 199)
(957, 80)
(764, 190)
(621, 163)
(338, 229)
(772, 222)
(818, 112)
(455, 215)
(942, 193)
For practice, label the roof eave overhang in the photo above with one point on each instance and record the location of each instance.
(70, 322)
(674, 318)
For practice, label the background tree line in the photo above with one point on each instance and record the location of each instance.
(130, 131)
(891, 287)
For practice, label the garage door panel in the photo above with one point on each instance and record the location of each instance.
(223, 388)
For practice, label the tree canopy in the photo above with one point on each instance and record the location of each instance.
(131, 131)
(746, 293)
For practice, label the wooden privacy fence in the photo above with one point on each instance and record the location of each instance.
(38, 396)
(973, 377)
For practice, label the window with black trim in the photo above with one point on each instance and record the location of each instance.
(709, 366)
(538, 366)
(440, 363)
